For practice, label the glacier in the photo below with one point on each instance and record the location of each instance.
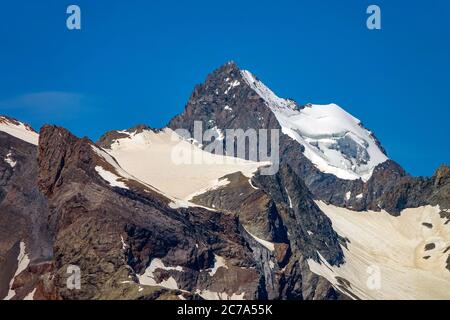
(333, 140)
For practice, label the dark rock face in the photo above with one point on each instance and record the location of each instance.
(23, 212)
(411, 192)
(308, 232)
(281, 210)
(225, 101)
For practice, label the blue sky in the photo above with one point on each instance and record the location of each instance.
(138, 61)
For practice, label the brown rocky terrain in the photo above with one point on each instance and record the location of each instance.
(247, 239)
(113, 234)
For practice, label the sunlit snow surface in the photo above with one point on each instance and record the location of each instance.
(153, 157)
(112, 178)
(9, 160)
(219, 262)
(22, 263)
(19, 130)
(335, 141)
(211, 295)
(149, 279)
(269, 245)
(394, 246)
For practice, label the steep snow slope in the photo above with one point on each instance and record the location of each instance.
(409, 252)
(19, 130)
(173, 165)
(335, 141)
(22, 263)
(119, 177)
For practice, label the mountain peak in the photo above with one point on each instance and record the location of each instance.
(229, 65)
(227, 72)
(332, 139)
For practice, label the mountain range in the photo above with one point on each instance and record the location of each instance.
(338, 219)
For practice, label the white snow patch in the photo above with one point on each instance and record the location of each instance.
(9, 160)
(185, 203)
(124, 245)
(30, 296)
(359, 196)
(310, 232)
(232, 85)
(211, 295)
(19, 130)
(110, 177)
(289, 198)
(348, 195)
(251, 184)
(220, 134)
(228, 108)
(334, 141)
(269, 245)
(23, 261)
(148, 278)
(219, 262)
(177, 204)
(395, 245)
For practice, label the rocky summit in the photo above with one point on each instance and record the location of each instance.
(156, 214)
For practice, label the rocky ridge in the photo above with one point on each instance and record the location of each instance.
(68, 202)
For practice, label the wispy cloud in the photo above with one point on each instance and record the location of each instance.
(45, 102)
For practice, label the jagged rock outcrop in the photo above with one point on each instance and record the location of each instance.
(280, 209)
(23, 215)
(412, 192)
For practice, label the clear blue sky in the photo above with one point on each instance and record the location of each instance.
(138, 61)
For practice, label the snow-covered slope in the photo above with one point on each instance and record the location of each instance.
(19, 130)
(390, 257)
(176, 167)
(334, 141)
(114, 175)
